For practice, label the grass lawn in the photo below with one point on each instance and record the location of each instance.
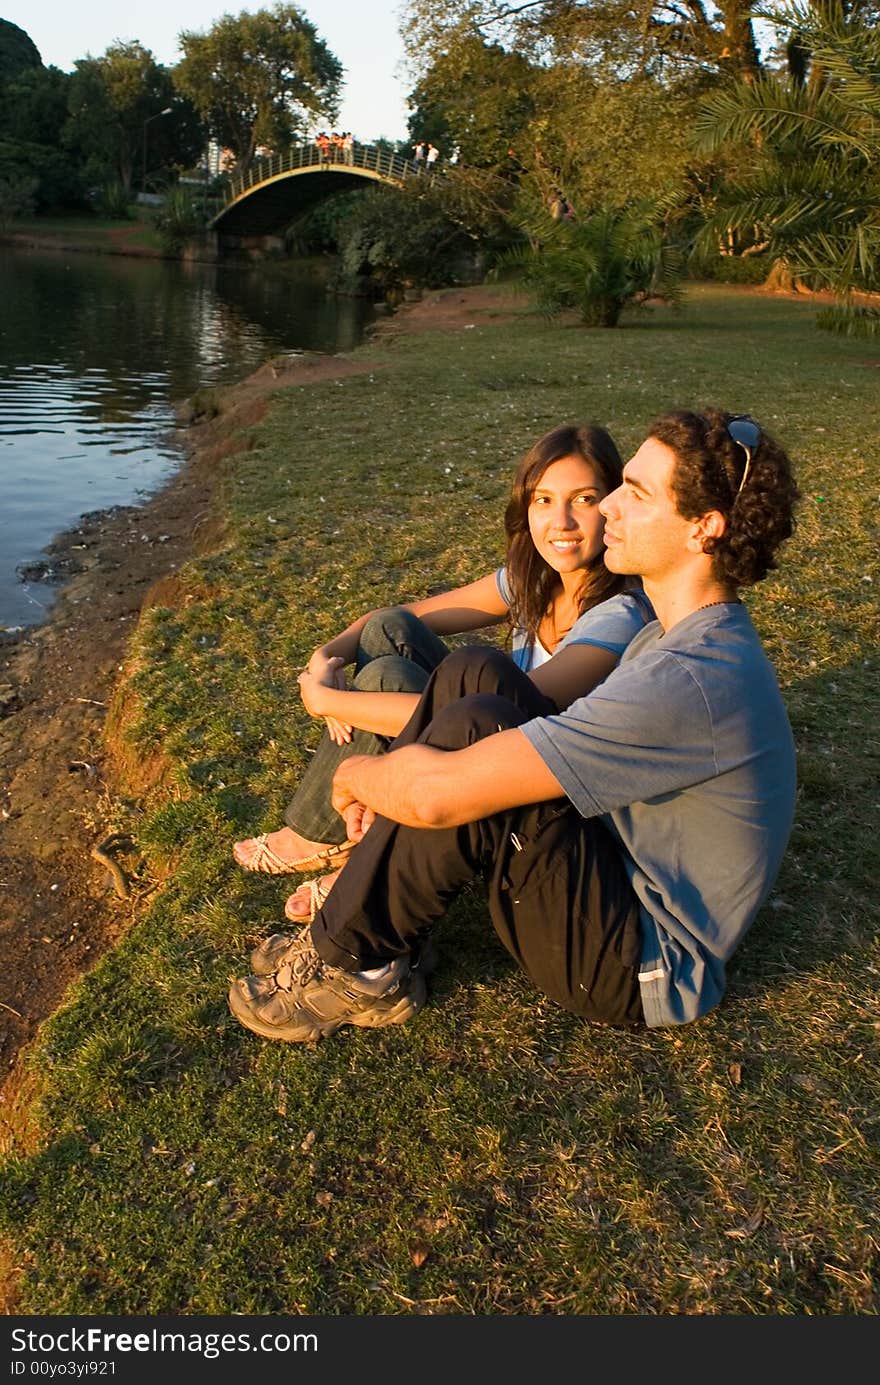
(94, 232)
(495, 1155)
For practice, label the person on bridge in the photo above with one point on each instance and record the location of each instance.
(432, 156)
(323, 142)
(419, 154)
(627, 844)
(570, 620)
(348, 147)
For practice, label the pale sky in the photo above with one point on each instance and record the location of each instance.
(362, 33)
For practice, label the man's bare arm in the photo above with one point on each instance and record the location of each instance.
(422, 786)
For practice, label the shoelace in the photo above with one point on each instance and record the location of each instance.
(299, 971)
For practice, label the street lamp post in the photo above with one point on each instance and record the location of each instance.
(167, 111)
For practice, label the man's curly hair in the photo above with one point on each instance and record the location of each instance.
(709, 471)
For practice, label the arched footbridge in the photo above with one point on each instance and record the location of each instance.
(276, 189)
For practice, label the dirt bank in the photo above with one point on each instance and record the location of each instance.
(59, 905)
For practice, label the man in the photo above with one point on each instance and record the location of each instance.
(628, 843)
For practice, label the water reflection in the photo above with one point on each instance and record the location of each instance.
(94, 353)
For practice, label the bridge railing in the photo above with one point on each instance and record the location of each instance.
(383, 162)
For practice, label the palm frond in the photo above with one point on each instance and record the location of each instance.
(775, 111)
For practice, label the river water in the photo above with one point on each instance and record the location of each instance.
(95, 350)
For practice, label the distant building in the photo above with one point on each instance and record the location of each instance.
(219, 160)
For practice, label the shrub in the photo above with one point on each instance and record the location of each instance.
(599, 264)
(850, 321)
(179, 220)
(17, 198)
(732, 269)
(113, 201)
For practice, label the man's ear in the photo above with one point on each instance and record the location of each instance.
(707, 529)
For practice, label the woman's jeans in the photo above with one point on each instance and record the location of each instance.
(396, 653)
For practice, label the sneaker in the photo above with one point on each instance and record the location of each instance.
(308, 999)
(274, 952)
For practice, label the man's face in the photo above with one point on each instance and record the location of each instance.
(645, 536)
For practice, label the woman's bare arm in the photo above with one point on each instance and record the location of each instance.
(572, 673)
(470, 607)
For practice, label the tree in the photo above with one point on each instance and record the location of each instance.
(111, 99)
(476, 99)
(18, 51)
(426, 234)
(584, 102)
(33, 113)
(257, 79)
(814, 190)
(33, 105)
(657, 37)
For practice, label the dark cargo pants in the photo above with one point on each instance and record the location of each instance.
(558, 893)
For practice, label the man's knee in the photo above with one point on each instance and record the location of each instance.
(473, 669)
(470, 719)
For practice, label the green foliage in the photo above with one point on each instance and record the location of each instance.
(113, 201)
(651, 39)
(598, 264)
(425, 234)
(850, 321)
(54, 182)
(258, 78)
(321, 228)
(33, 114)
(475, 97)
(18, 52)
(814, 188)
(731, 269)
(125, 118)
(18, 197)
(33, 106)
(178, 220)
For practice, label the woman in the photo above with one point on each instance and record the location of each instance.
(570, 620)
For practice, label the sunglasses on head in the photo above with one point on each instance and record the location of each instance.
(746, 434)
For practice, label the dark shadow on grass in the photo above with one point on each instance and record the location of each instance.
(824, 905)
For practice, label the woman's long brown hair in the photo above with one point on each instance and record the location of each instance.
(533, 582)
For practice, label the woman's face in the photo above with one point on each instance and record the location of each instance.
(564, 519)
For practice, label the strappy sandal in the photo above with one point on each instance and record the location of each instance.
(265, 861)
(329, 856)
(318, 893)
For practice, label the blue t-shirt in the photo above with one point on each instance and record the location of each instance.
(610, 625)
(686, 753)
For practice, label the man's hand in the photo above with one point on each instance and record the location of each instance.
(358, 820)
(342, 796)
(423, 786)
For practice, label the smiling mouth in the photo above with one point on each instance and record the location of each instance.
(565, 543)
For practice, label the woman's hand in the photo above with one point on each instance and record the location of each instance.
(328, 670)
(312, 690)
(338, 731)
